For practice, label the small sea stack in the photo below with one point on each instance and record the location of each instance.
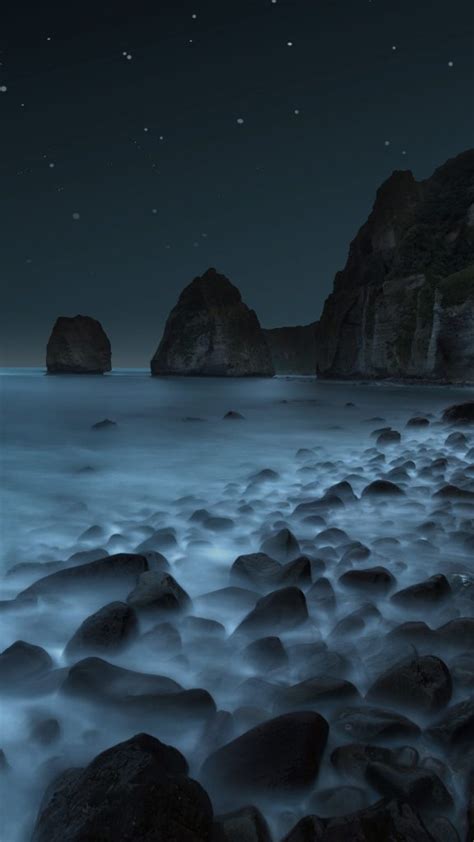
(78, 345)
(212, 333)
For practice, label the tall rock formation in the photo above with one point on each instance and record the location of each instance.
(78, 345)
(211, 332)
(293, 349)
(404, 304)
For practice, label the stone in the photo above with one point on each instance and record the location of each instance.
(419, 787)
(279, 611)
(382, 488)
(315, 693)
(281, 546)
(45, 731)
(419, 684)
(20, 662)
(106, 424)
(351, 760)
(138, 789)
(156, 591)
(385, 821)
(372, 579)
(108, 630)
(211, 332)
(461, 413)
(244, 825)
(370, 723)
(78, 345)
(255, 569)
(232, 415)
(280, 755)
(429, 592)
(403, 306)
(455, 728)
(266, 654)
(122, 569)
(388, 437)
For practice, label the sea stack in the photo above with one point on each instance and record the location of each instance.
(212, 333)
(403, 306)
(78, 345)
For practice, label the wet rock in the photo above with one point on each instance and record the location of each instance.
(94, 677)
(421, 684)
(372, 580)
(164, 639)
(106, 424)
(282, 546)
(461, 413)
(256, 569)
(78, 345)
(339, 801)
(455, 728)
(343, 490)
(20, 662)
(388, 437)
(231, 415)
(45, 731)
(108, 630)
(352, 760)
(456, 634)
(315, 693)
(138, 789)
(417, 632)
(218, 524)
(453, 492)
(297, 572)
(120, 570)
(382, 488)
(418, 787)
(244, 825)
(227, 599)
(418, 421)
(385, 821)
(369, 723)
(201, 627)
(266, 654)
(429, 592)
(458, 441)
(282, 754)
(321, 596)
(278, 612)
(161, 539)
(157, 592)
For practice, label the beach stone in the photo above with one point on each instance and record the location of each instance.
(278, 612)
(20, 662)
(372, 579)
(156, 591)
(115, 570)
(421, 684)
(107, 630)
(428, 592)
(244, 825)
(282, 546)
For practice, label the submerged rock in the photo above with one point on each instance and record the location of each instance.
(78, 345)
(211, 332)
(108, 630)
(244, 825)
(460, 413)
(282, 754)
(137, 789)
(420, 684)
(20, 662)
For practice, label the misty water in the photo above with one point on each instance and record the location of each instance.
(173, 454)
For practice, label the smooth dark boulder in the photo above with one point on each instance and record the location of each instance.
(211, 332)
(385, 821)
(421, 684)
(283, 546)
(315, 693)
(45, 731)
(95, 678)
(255, 569)
(419, 787)
(156, 591)
(107, 630)
(244, 825)
(429, 592)
(282, 754)
(455, 728)
(278, 612)
(373, 723)
(20, 662)
(382, 488)
(136, 790)
(460, 413)
(266, 654)
(105, 424)
(372, 580)
(351, 760)
(388, 437)
(78, 345)
(120, 570)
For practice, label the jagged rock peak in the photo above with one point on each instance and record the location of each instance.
(78, 345)
(212, 332)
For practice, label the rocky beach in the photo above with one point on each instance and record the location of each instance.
(242, 609)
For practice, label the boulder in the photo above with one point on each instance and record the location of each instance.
(156, 591)
(211, 332)
(138, 789)
(429, 592)
(421, 684)
(20, 662)
(108, 630)
(78, 345)
(371, 723)
(120, 570)
(372, 580)
(283, 546)
(382, 488)
(282, 754)
(419, 787)
(385, 821)
(460, 413)
(244, 825)
(278, 612)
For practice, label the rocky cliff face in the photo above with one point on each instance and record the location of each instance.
(403, 306)
(293, 349)
(211, 332)
(78, 345)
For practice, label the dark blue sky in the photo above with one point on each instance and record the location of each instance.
(272, 201)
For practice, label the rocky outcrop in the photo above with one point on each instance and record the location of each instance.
(211, 332)
(403, 306)
(293, 349)
(78, 345)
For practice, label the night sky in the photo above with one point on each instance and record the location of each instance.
(142, 142)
